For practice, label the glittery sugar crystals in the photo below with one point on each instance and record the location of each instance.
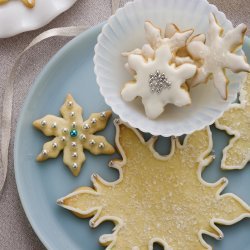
(158, 199)
(73, 135)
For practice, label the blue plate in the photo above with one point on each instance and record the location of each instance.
(41, 184)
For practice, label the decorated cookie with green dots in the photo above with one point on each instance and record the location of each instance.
(73, 135)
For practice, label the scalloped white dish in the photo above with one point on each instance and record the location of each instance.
(125, 32)
(16, 18)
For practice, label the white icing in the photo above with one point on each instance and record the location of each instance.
(154, 103)
(218, 54)
(153, 36)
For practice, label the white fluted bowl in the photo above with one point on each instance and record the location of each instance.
(125, 31)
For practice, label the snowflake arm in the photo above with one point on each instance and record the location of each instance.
(196, 49)
(78, 158)
(235, 37)
(73, 135)
(236, 63)
(50, 125)
(174, 210)
(236, 155)
(97, 122)
(218, 54)
(235, 121)
(70, 110)
(176, 41)
(51, 149)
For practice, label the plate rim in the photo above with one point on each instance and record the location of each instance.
(36, 25)
(54, 59)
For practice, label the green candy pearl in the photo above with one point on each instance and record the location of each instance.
(73, 133)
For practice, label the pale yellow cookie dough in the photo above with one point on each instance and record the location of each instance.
(73, 135)
(158, 198)
(236, 121)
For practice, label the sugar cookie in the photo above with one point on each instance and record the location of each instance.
(158, 82)
(236, 121)
(218, 54)
(73, 135)
(157, 198)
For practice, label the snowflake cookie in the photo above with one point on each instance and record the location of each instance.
(218, 54)
(157, 198)
(157, 81)
(27, 3)
(156, 39)
(182, 54)
(236, 121)
(73, 135)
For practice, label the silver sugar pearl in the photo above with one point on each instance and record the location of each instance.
(86, 126)
(92, 142)
(43, 123)
(54, 145)
(103, 114)
(63, 138)
(59, 202)
(54, 125)
(82, 137)
(74, 165)
(72, 114)
(44, 152)
(74, 155)
(93, 120)
(65, 130)
(158, 82)
(94, 175)
(73, 124)
(70, 104)
(73, 144)
(101, 145)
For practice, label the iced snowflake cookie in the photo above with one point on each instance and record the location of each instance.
(73, 135)
(156, 38)
(157, 198)
(236, 121)
(157, 81)
(27, 3)
(182, 54)
(218, 54)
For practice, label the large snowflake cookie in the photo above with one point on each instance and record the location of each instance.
(218, 54)
(157, 81)
(236, 121)
(73, 135)
(27, 3)
(157, 198)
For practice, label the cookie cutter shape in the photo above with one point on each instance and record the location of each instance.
(73, 135)
(157, 198)
(236, 121)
